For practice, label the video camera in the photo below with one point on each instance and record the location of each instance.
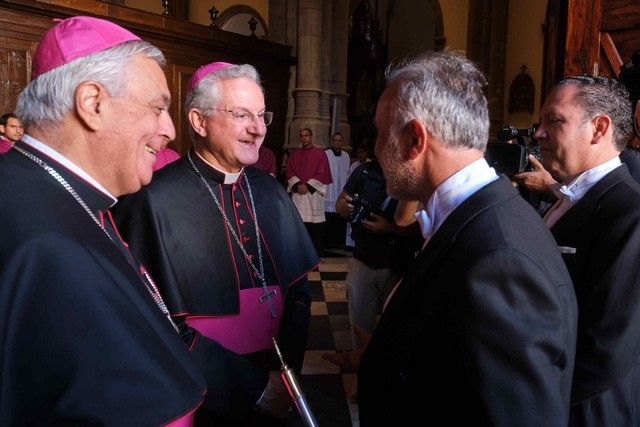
(512, 159)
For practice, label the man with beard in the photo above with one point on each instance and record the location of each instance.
(483, 325)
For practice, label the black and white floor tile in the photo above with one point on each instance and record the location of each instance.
(329, 388)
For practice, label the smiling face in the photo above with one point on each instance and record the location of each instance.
(138, 126)
(232, 139)
(564, 134)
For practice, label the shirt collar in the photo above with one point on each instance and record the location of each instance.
(578, 187)
(452, 193)
(53, 154)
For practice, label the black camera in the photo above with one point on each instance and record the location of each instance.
(361, 209)
(511, 159)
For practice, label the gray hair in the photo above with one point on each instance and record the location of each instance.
(444, 91)
(206, 93)
(603, 95)
(50, 96)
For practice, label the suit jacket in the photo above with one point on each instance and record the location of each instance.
(604, 229)
(481, 328)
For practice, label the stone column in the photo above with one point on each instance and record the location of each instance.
(326, 94)
(308, 73)
(340, 43)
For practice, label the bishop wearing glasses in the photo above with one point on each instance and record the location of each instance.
(225, 243)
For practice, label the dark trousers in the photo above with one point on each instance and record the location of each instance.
(334, 230)
(316, 232)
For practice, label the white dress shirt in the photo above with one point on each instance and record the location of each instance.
(568, 195)
(448, 196)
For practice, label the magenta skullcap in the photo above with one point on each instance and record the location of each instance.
(76, 37)
(205, 70)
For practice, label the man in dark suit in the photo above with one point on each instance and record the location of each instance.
(483, 325)
(584, 125)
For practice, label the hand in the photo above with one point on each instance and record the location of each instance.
(275, 400)
(302, 189)
(377, 224)
(537, 180)
(350, 359)
(344, 206)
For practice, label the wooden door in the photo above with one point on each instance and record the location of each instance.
(589, 37)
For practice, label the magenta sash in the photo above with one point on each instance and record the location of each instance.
(249, 331)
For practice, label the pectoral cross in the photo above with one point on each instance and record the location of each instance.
(267, 296)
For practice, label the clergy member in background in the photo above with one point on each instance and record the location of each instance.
(308, 175)
(339, 162)
(266, 161)
(86, 338)
(11, 130)
(224, 242)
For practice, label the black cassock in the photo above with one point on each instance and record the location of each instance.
(174, 226)
(83, 342)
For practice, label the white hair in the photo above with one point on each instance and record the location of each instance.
(444, 90)
(206, 93)
(50, 96)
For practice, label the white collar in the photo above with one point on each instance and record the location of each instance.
(452, 193)
(578, 187)
(229, 177)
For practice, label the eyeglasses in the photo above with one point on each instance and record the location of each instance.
(244, 117)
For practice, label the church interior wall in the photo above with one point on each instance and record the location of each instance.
(455, 17)
(525, 45)
(199, 9)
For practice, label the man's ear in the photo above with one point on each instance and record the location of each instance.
(89, 97)
(197, 119)
(1, 128)
(601, 127)
(419, 137)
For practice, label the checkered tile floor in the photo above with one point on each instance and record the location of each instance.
(329, 388)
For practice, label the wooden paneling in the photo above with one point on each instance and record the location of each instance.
(584, 33)
(620, 15)
(582, 43)
(15, 67)
(185, 45)
(620, 34)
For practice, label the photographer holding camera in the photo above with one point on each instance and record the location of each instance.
(367, 207)
(538, 179)
(517, 155)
